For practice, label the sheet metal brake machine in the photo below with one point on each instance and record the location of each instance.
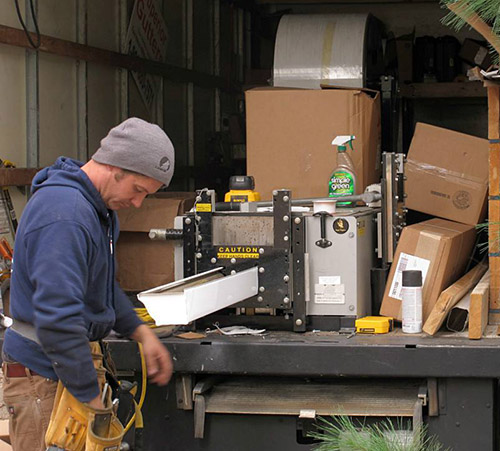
(289, 264)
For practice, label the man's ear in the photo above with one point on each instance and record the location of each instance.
(116, 172)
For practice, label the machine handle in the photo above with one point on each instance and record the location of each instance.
(166, 234)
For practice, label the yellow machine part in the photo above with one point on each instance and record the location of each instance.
(374, 325)
(242, 196)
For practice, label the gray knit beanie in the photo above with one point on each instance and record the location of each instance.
(138, 146)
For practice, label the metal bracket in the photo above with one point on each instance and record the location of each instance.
(433, 398)
(299, 275)
(184, 391)
(199, 416)
(199, 390)
(393, 214)
(282, 218)
(422, 394)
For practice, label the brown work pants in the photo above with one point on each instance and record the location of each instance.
(29, 401)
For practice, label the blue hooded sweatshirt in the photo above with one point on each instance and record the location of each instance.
(63, 279)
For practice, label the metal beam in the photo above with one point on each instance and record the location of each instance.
(328, 355)
(61, 47)
(123, 75)
(81, 83)
(32, 94)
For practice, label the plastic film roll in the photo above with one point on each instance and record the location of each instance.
(331, 49)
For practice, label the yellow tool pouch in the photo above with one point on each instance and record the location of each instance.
(110, 443)
(70, 419)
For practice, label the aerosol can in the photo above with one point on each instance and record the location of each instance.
(343, 179)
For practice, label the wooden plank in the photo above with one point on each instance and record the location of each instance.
(442, 90)
(61, 47)
(17, 176)
(493, 226)
(450, 297)
(494, 192)
(494, 167)
(493, 112)
(478, 310)
(494, 283)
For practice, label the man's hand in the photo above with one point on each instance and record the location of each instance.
(158, 360)
(96, 403)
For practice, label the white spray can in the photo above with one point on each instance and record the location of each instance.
(412, 301)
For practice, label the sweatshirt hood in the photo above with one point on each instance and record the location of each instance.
(67, 172)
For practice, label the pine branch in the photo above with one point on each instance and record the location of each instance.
(478, 14)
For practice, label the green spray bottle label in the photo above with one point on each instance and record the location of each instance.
(343, 180)
(341, 184)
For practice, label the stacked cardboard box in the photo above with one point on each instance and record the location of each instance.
(447, 176)
(289, 135)
(440, 249)
(143, 263)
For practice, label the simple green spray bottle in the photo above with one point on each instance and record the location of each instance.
(343, 179)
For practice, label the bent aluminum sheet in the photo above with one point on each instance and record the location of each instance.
(183, 301)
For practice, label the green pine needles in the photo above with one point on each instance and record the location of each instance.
(493, 236)
(486, 10)
(341, 434)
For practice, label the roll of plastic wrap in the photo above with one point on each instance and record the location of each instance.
(332, 49)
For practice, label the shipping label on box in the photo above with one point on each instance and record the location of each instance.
(407, 262)
(440, 249)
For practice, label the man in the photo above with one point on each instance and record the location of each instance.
(63, 288)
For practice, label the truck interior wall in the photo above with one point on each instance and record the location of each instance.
(217, 47)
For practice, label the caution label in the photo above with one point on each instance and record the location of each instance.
(204, 208)
(238, 252)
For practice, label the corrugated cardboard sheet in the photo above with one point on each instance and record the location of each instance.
(447, 245)
(143, 263)
(289, 135)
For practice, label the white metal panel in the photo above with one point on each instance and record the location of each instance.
(168, 307)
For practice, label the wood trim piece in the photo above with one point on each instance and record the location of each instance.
(493, 111)
(471, 89)
(17, 176)
(451, 296)
(61, 47)
(494, 190)
(478, 310)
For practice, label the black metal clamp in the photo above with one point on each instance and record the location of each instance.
(323, 242)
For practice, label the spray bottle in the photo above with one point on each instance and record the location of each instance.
(343, 179)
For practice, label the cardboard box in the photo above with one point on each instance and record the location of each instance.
(143, 263)
(289, 135)
(404, 50)
(440, 249)
(447, 174)
(476, 53)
